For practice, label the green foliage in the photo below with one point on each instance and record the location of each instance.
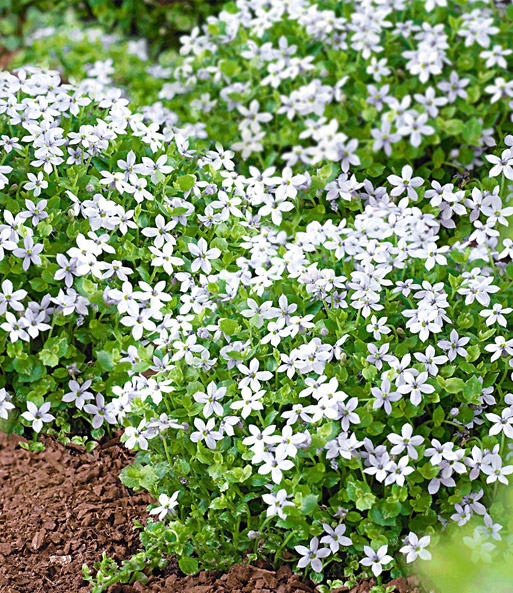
(161, 22)
(285, 262)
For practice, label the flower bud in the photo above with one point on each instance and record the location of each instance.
(252, 534)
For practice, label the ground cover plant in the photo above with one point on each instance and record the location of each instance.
(288, 279)
(302, 85)
(160, 22)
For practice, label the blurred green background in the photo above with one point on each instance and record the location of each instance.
(161, 22)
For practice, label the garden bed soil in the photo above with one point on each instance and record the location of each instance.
(64, 507)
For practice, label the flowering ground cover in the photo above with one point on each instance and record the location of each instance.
(281, 261)
(67, 507)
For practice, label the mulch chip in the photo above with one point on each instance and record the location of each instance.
(64, 507)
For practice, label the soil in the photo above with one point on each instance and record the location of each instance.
(64, 507)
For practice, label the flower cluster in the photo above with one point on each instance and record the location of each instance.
(303, 330)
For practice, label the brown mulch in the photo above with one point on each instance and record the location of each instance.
(60, 509)
(64, 507)
(243, 578)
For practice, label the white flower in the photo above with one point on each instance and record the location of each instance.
(415, 547)
(398, 471)
(37, 415)
(253, 375)
(405, 441)
(203, 255)
(16, 328)
(137, 437)
(29, 252)
(496, 314)
(206, 433)
(405, 183)
(211, 399)
(385, 397)
(376, 560)
(5, 404)
(312, 556)
(101, 411)
(454, 345)
(378, 327)
(277, 501)
(415, 385)
(164, 258)
(36, 183)
(503, 164)
(502, 423)
(275, 464)
(167, 505)
(500, 348)
(335, 537)
(4, 170)
(496, 471)
(250, 402)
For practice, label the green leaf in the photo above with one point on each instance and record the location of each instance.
(376, 428)
(38, 284)
(220, 243)
(23, 365)
(472, 131)
(317, 182)
(473, 352)
(309, 503)
(178, 211)
(219, 503)
(365, 501)
(316, 473)
(438, 157)
(453, 127)
(100, 331)
(485, 334)
(188, 565)
(375, 170)
(370, 373)
(48, 358)
(229, 327)
(465, 415)
(421, 503)
(105, 360)
(147, 477)
(37, 372)
(454, 385)
(229, 67)
(472, 388)
(186, 182)
(438, 416)
(129, 475)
